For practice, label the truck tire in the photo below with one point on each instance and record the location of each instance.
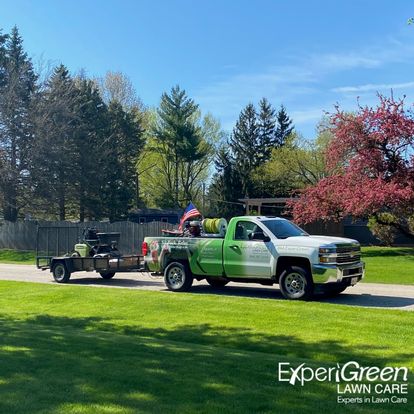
(107, 275)
(296, 283)
(178, 277)
(60, 272)
(217, 282)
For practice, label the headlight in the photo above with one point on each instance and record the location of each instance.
(327, 254)
(327, 250)
(327, 259)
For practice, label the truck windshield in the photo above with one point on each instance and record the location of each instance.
(283, 229)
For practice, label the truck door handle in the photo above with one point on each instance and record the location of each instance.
(234, 246)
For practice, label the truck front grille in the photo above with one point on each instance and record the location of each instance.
(346, 258)
(348, 254)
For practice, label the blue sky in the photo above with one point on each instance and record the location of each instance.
(308, 55)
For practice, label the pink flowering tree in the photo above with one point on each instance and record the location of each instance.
(371, 169)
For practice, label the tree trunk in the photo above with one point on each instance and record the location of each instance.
(176, 181)
(10, 210)
(400, 227)
(81, 205)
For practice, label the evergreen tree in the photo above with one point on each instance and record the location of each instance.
(126, 142)
(224, 190)
(53, 157)
(3, 39)
(92, 137)
(17, 86)
(266, 130)
(284, 127)
(179, 138)
(245, 146)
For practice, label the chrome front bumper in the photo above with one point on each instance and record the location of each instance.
(324, 273)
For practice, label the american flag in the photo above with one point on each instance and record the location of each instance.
(190, 211)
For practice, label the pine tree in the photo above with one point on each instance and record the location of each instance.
(245, 146)
(284, 127)
(3, 39)
(54, 119)
(224, 190)
(125, 145)
(17, 87)
(266, 130)
(179, 137)
(91, 139)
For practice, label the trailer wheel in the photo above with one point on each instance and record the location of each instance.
(178, 277)
(296, 283)
(60, 272)
(107, 275)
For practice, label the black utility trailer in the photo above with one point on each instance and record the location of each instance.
(52, 241)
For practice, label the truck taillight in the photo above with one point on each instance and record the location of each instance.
(144, 248)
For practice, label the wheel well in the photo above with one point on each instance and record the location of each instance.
(285, 261)
(55, 262)
(171, 260)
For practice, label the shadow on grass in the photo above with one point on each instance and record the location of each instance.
(58, 364)
(364, 300)
(118, 281)
(257, 291)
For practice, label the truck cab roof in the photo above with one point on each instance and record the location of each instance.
(262, 218)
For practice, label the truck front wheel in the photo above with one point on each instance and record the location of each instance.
(295, 282)
(178, 277)
(60, 272)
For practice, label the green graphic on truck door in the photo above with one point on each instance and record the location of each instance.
(208, 258)
(244, 257)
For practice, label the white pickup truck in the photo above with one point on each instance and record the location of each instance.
(265, 250)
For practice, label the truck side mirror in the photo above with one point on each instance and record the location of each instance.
(259, 235)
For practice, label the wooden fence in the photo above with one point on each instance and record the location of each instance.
(63, 235)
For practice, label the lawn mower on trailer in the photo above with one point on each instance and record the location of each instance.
(96, 244)
(94, 251)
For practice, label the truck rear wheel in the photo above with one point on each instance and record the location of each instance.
(178, 277)
(60, 272)
(107, 275)
(217, 282)
(295, 282)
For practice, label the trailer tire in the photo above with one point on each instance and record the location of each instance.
(60, 272)
(178, 277)
(216, 282)
(107, 275)
(296, 283)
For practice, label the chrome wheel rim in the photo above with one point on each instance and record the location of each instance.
(175, 277)
(295, 284)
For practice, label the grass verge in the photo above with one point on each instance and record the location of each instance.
(66, 349)
(17, 256)
(389, 265)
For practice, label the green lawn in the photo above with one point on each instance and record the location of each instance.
(389, 265)
(72, 349)
(17, 256)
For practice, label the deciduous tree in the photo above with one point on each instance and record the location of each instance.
(372, 168)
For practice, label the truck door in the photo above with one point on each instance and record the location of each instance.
(244, 257)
